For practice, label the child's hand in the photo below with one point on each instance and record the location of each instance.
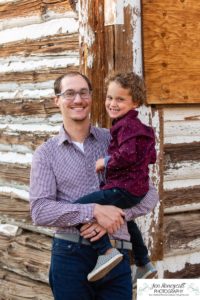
(100, 165)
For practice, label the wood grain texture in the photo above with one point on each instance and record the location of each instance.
(171, 51)
(14, 208)
(42, 107)
(27, 139)
(189, 271)
(182, 196)
(36, 75)
(26, 8)
(16, 287)
(27, 254)
(182, 152)
(56, 44)
(14, 173)
(181, 233)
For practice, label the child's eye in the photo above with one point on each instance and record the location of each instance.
(108, 98)
(119, 100)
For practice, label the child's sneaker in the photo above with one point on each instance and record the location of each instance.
(146, 271)
(105, 263)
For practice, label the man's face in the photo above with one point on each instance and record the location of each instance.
(74, 106)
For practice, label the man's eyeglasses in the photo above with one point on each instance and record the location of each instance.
(70, 95)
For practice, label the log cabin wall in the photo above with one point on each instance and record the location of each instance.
(39, 41)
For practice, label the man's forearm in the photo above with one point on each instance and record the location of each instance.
(59, 213)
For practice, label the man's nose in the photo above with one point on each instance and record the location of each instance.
(77, 98)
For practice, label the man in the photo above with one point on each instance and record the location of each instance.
(63, 170)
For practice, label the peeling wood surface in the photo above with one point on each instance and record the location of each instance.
(171, 47)
(16, 287)
(56, 44)
(34, 258)
(182, 196)
(181, 233)
(43, 107)
(27, 8)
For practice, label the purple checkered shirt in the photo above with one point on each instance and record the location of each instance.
(61, 173)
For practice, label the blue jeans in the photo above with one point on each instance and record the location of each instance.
(70, 265)
(122, 199)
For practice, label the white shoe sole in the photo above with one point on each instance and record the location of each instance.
(148, 275)
(105, 268)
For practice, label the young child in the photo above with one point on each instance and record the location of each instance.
(131, 150)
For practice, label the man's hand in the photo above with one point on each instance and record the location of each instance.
(93, 231)
(100, 166)
(109, 217)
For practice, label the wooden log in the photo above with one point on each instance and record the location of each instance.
(182, 152)
(42, 107)
(26, 8)
(189, 271)
(15, 173)
(181, 233)
(27, 254)
(13, 207)
(36, 75)
(30, 140)
(56, 44)
(16, 287)
(179, 197)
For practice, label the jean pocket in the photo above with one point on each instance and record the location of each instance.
(62, 247)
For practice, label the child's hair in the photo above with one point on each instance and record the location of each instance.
(58, 81)
(130, 81)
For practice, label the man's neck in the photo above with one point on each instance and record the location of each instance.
(78, 131)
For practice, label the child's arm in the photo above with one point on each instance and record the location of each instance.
(101, 163)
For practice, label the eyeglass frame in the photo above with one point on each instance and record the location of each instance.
(75, 94)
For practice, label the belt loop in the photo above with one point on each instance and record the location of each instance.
(122, 243)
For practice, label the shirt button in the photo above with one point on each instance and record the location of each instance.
(68, 224)
(86, 219)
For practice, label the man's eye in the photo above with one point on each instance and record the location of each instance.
(108, 98)
(84, 93)
(69, 94)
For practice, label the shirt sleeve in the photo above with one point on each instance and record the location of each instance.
(45, 208)
(147, 204)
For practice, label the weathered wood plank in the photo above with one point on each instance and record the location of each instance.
(181, 233)
(27, 139)
(35, 7)
(15, 208)
(56, 44)
(16, 287)
(171, 46)
(182, 152)
(189, 271)
(36, 75)
(42, 107)
(14, 173)
(179, 197)
(27, 254)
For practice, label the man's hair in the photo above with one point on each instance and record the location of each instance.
(58, 81)
(130, 81)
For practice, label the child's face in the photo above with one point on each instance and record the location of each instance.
(118, 101)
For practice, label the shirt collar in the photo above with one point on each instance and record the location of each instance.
(63, 135)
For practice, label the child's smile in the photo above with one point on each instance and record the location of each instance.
(118, 101)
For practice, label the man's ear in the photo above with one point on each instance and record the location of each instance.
(56, 101)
